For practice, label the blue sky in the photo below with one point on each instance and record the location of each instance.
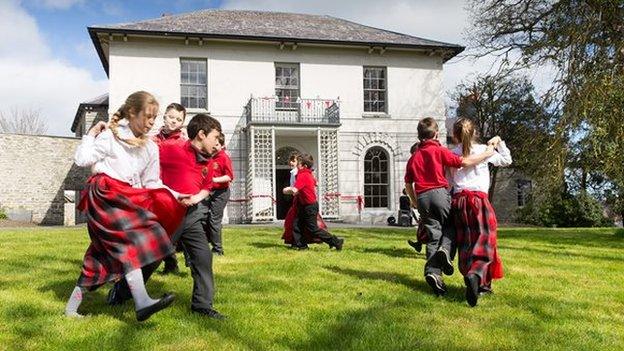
(64, 23)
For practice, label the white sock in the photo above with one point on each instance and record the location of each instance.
(137, 288)
(71, 309)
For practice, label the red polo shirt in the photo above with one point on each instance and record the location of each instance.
(426, 166)
(174, 135)
(183, 168)
(221, 166)
(306, 186)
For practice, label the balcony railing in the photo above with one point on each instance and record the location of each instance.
(270, 110)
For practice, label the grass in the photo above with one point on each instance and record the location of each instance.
(562, 291)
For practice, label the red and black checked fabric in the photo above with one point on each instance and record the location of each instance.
(129, 228)
(475, 222)
(289, 224)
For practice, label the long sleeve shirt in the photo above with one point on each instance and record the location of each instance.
(136, 165)
(477, 178)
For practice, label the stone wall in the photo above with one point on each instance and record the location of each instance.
(34, 173)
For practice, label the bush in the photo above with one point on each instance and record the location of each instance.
(3, 214)
(565, 211)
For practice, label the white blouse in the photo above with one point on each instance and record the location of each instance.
(135, 165)
(477, 178)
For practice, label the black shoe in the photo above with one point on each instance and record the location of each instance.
(441, 259)
(436, 284)
(299, 247)
(417, 245)
(210, 313)
(217, 252)
(472, 289)
(161, 304)
(116, 296)
(338, 242)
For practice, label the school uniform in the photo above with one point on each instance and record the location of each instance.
(130, 214)
(474, 217)
(308, 211)
(221, 165)
(426, 170)
(165, 136)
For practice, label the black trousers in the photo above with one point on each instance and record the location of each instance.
(306, 220)
(193, 237)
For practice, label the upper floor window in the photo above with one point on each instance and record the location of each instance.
(287, 85)
(193, 83)
(376, 174)
(375, 89)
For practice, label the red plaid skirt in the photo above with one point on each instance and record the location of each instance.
(475, 222)
(129, 228)
(289, 224)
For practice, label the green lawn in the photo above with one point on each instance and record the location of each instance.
(563, 290)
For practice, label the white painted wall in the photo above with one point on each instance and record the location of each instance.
(236, 71)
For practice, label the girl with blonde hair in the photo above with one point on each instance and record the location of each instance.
(130, 214)
(473, 214)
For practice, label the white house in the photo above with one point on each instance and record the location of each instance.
(349, 94)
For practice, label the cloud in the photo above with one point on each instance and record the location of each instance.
(61, 4)
(32, 78)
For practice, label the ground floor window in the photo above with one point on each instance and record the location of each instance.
(376, 178)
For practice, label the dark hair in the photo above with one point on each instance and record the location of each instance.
(177, 107)
(427, 128)
(221, 139)
(203, 122)
(293, 156)
(306, 160)
(414, 147)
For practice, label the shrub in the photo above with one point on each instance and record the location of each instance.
(565, 210)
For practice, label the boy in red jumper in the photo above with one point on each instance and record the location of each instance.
(304, 191)
(221, 179)
(173, 120)
(427, 188)
(187, 169)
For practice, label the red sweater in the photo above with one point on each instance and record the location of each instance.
(306, 186)
(221, 166)
(426, 166)
(184, 169)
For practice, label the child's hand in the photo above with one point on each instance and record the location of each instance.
(98, 128)
(189, 200)
(413, 204)
(494, 141)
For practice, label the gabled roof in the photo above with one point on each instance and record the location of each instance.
(100, 102)
(270, 26)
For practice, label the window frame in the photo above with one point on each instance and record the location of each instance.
(383, 91)
(204, 64)
(292, 105)
(373, 199)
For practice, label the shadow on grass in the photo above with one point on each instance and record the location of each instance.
(454, 293)
(394, 252)
(562, 253)
(261, 245)
(586, 237)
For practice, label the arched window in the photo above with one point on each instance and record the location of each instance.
(376, 178)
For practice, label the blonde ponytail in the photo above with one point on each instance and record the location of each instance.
(135, 103)
(464, 133)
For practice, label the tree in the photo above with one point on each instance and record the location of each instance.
(27, 121)
(504, 104)
(583, 41)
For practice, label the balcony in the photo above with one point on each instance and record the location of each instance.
(304, 112)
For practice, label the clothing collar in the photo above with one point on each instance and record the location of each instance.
(429, 142)
(199, 156)
(164, 135)
(304, 170)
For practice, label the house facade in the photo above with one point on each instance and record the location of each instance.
(348, 94)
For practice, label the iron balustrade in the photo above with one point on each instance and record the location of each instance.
(270, 110)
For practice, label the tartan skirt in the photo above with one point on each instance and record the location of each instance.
(289, 224)
(129, 228)
(475, 223)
